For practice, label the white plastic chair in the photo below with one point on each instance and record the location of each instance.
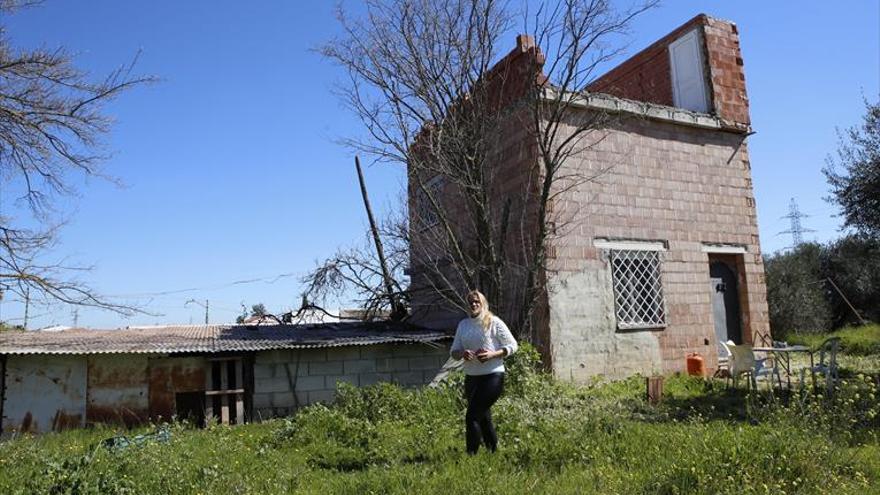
(827, 365)
(742, 361)
(723, 370)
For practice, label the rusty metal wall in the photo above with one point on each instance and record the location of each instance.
(117, 389)
(170, 376)
(44, 393)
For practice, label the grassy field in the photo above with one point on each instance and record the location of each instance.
(854, 341)
(555, 438)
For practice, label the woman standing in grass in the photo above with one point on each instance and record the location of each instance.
(483, 341)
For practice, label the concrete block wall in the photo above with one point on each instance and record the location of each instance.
(287, 379)
(684, 186)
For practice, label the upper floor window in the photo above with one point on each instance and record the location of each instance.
(426, 215)
(688, 73)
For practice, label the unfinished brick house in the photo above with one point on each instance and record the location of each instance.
(663, 258)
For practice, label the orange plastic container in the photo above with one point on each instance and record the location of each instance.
(695, 365)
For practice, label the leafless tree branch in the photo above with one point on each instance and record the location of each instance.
(425, 79)
(52, 125)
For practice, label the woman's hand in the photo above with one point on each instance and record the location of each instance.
(484, 355)
(468, 355)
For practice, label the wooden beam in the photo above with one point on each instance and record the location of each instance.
(224, 398)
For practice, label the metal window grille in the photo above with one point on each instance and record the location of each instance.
(426, 214)
(638, 292)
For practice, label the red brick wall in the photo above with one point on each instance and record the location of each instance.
(684, 185)
(726, 71)
(647, 77)
(513, 167)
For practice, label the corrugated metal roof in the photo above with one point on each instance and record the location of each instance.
(214, 338)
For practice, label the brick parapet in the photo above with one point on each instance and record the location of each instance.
(646, 76)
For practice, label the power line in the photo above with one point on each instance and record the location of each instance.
(267, 280)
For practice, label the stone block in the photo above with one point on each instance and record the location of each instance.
(384, 365)
(310, 355)
(424, 363)
(282, 399)
(309, 383)
(325, 368)
(262, 400)
(344, 353)
(359, 366)
(268, 385)
(408, 350)
(263, 371)
(271, 357)
(377, 351)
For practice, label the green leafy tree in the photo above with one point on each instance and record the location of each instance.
(257, 310)
(853, 263)
(854, 175)
(795, 292)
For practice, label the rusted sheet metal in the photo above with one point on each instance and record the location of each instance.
(170, 376)
(117, 389)
(44, 393)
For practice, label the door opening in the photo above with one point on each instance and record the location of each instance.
(725, 302)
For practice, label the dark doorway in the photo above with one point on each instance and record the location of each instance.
(191, 407)
(725, 302)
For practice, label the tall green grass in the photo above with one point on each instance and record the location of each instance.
(855, 341)
(554, 438)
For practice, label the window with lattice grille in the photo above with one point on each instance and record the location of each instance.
(638, 292)
(426, 215)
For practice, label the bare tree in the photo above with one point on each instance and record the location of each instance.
(52, 123)
(426, 81)
(356, 272)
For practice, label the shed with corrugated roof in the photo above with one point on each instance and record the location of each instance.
(224, 373)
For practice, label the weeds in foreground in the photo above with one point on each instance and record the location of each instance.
(555, 438)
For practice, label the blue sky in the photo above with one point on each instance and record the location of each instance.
(231, 171)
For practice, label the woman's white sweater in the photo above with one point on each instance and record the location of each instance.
(470, 335)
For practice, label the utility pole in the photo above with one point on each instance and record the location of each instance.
(796, 230)
(397, 309)
(206, 306)
(75, 317)
(27, 306)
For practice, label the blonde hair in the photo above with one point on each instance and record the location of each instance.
(485, 315)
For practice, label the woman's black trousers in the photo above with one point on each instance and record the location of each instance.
(481, 391)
